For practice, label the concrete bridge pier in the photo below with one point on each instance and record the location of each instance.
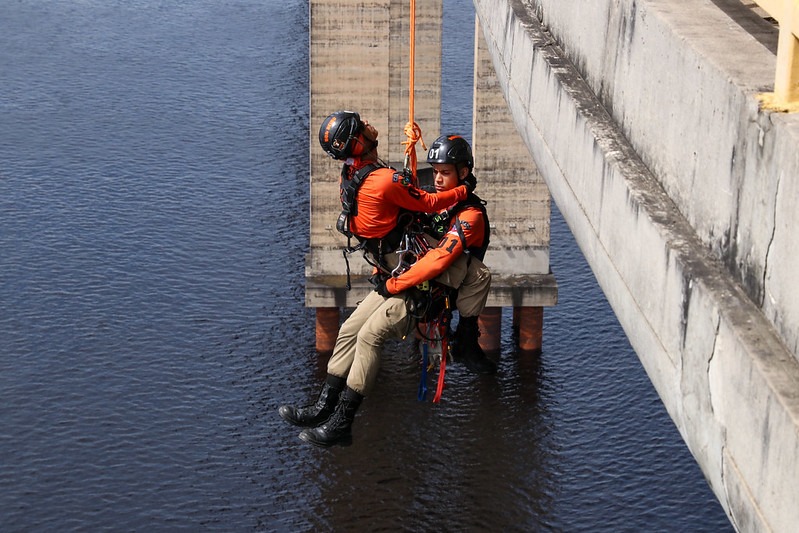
(372, 79)
(520, 222)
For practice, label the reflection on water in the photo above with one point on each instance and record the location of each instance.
(153, 226)
(441, 465)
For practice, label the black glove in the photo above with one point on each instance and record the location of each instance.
(470, 182)
(381, 289)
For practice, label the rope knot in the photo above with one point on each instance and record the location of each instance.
(414, 134)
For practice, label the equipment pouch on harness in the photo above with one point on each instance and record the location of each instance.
(348, 189)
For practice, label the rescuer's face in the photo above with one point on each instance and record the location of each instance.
(445, 176)
(369, 131)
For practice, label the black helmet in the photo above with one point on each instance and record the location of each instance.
(451, 149)
(337, 133)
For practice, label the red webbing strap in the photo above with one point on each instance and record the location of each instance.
(442, 329)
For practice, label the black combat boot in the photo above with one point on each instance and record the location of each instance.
(338, 428)
(315, 414)
(467, 350)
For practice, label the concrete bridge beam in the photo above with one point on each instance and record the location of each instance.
(675, 186)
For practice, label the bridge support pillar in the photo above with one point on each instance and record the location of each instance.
(531, 328)
(327, 319)
(490, 324)
(517, 196)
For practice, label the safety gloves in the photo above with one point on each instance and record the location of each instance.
(382, 290)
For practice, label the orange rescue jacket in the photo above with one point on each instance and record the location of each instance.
(385, 192)
(450, 247)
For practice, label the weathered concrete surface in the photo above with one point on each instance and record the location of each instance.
(519, 204)
(372, 79)
(642, 117)
(359, 56)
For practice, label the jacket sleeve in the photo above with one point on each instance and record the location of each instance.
(406, 195)
(449, 248)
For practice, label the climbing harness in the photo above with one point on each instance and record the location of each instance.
(429, 305)
(430, 310)
(349, 208)
(348, 190)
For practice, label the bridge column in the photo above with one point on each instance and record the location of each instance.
(359, 60)
(519, 210)
(490, 324)
(531, 329)
(373, 80)
(327, 320)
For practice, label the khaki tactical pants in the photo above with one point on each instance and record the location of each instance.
(356, 355)
(473, 284)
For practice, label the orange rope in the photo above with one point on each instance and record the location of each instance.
(412, 130)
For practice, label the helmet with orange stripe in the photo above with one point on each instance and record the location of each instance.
(339, 132)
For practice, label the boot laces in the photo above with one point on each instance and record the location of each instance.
(340, 415)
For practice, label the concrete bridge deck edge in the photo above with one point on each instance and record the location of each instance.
(725, 376)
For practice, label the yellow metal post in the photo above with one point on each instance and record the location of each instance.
(786, 80)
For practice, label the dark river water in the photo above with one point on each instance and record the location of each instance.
(153, 222)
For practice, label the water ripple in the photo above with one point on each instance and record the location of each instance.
(153, 227)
